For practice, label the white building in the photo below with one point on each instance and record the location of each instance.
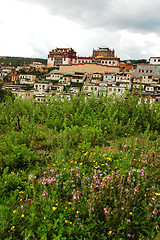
(42, 86)
(109, 77)
(154, 60)
(27, 79)
(79, 77)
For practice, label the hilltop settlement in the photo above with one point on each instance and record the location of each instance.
(67, 74)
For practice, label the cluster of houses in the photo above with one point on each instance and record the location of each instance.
(100, 74)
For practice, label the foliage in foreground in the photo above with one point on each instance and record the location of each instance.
(88, 169)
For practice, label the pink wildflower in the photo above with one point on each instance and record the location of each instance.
(155, 211)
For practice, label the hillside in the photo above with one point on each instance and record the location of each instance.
(20, 60)
(84, 169)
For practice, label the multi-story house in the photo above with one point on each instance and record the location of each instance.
(56, 88)
(146, 70)
(90, 88)
(66, 79)
(109, 77)
(154, 60)
(54, 75)
(27, 79)
(42, 86)
(96, 77)
(79, 77)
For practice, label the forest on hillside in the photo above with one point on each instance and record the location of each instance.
(20, 61)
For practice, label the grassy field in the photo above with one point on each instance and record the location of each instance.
(84, 169)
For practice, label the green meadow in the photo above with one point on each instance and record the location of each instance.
(87, 169)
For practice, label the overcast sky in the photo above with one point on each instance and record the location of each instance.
(31, 28)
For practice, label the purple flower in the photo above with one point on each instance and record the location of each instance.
(143, 174)
(106, 211)
(153, 152)
(155, 211)
(78, 175)
(45, 193)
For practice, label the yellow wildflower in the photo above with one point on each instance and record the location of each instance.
(22, 215)
(78, 212)
(130, 213)
(14, 211)
(54, 208)
(12, 228)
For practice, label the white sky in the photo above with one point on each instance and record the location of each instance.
(31, 28)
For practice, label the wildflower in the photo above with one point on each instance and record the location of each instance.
(153, 152)
(21, 200)
(106, 211)
(155, 211)
(44, 218)
(45, 193)
(12, 228)
(56, 204)
(70, 222)
(157, 194)
(130, 213)
(21, 206)
(66, 221)
(78, 212)
(78, 175)
(22, 215)
(69, 203)
(54, 208)
(109, 232)
(14, 211)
